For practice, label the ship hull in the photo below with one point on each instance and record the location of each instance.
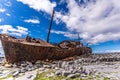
(19, 51)
(16, 52)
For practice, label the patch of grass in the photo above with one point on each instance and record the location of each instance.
(90, 78)
(42, 76)
(106, 78)
(97, 77)
(8, 76)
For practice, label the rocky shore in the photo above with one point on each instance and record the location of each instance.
(92, 67)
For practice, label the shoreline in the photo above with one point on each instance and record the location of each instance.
(102, 65)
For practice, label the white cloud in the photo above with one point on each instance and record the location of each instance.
(98, 21)
(105, 37)
(58, 32)
(7, 3)
(106, 51)
(40, 5)
(111, 51)
(2, 10)
(8, 29)
(8, 14)
(66, 34)
(0, 20)
(35, 21)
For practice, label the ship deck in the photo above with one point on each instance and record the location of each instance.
(37, 44)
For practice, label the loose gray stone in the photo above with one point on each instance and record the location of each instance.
(81, 68)
(88, 72)
(38, 62)
(58, 72)
(15, 73)
(71, 62)
(77, 74)
(35, 67)
(0, 72)
(23, 70)
(30, 76)
(38, 65)
(59, 64)
(29, 69)
(72, 76)
(76, 62)
(46, 66)
(50, 75)
(74, 71)
(83, 75)
(41, 69)
(65, 73)
(23, 65)
(56, 68)
(29, 63)
(14, 66)
(53, 66)
(63, 64)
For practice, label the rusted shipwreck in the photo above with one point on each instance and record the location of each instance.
(31, 49)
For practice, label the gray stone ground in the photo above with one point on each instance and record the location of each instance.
(103, 65)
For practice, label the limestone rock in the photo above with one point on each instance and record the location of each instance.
(15, 73)
(72, 76)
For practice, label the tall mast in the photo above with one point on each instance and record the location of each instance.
(48, 36)
(78, 37)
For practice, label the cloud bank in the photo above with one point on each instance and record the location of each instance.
(97, 20)
(40, 5)
(8, 29)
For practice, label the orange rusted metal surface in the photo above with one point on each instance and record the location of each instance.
(29, 49)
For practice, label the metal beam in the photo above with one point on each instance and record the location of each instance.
(48, 37)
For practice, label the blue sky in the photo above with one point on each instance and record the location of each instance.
(96, 21)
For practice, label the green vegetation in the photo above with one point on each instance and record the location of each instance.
(42, 76)
(106, 78)
(8, 76)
